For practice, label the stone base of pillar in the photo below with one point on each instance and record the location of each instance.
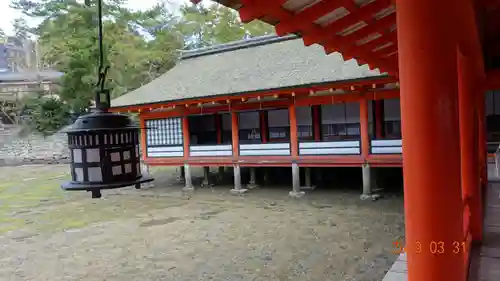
(253, 178)
(220, 174)
(373, 197)
(295, 194)
(206, 177)
(312, 187)
(238, 191)
(188, 189)
(145, 171)
(252, 186)
(180, 175)
(206, 183)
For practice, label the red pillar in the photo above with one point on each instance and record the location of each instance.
(469, 150)
(470, 46)
(218, 127)
(235, 134)
(378, 109)
(431, 150)
(483, 147)
(294, 143)
(316, 120)
(263, 125)
(363, 124)
(186, 135)
(143, 137)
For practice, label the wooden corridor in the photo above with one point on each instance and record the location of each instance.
(485, 263)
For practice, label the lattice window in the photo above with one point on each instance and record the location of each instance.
(164, 132)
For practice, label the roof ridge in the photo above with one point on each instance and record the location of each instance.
(236, 45)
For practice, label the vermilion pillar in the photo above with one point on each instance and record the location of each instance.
(363, 124)
(469, 149)
(472, 79)
(235, 133)
(186, 135)
(294, 144)
(218, 127)
(483, 153)
(316, 120)
(471, 48)
(378, 110)
(431, 150)
(143, 137)
(263, 125)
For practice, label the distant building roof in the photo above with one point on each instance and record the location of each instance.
(43, 75)
(263, 63)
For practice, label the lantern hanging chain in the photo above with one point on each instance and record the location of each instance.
(103, 71)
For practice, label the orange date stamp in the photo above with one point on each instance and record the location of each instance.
(433, 247)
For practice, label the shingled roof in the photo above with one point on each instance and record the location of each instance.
(258, 64)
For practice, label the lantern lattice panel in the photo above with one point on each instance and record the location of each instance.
(104, 157)
(164, 132)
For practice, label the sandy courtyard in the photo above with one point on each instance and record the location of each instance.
(162, 234)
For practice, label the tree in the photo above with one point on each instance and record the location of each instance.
(45, 115)
(139, 45)
(68, 42)
(216, 24)
(21, 29)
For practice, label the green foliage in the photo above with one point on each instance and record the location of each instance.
(216, 24)
(45, 115)
(139, 45)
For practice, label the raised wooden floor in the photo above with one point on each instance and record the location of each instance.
(485, 263)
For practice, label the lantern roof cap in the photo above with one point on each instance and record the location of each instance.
(101, 121)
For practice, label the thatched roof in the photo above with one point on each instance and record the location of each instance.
(258, 64)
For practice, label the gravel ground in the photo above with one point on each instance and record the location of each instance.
(159, 233)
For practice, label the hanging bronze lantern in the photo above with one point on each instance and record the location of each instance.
(104, 146)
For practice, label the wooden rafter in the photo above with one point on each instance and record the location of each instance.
(254, 9)
(303, 19)
(350, 39)
(364, 13)
(273, 8)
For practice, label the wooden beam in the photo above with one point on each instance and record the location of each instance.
(364, 13)
(350, 39)
(254, 9)
(368, 47)
(304, 19)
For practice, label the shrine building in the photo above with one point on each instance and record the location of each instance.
(268, 102)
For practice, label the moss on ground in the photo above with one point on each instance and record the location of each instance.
(31, 200)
